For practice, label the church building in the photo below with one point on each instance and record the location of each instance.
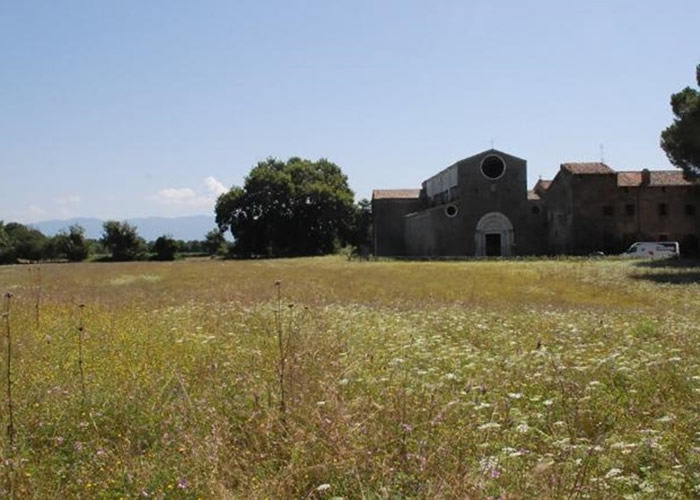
(481, 206)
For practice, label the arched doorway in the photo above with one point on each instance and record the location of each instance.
(494, 236)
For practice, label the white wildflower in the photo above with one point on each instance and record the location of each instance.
(613, 473)
(489, 426)
(523, 428)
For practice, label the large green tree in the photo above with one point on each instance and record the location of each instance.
(28, 243)
(72, 244)
(214, 242)
(8, 255)
(122, 240)
(165, 247)
(681, 140)
(298, 207)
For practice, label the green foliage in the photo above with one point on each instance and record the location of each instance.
(681, 140)
(72, 244)
(18, 241)
(7, 247)
(165, 248)
(191, 246)
(214, 242)
(122, 240)
(285, 209)
(361, 235)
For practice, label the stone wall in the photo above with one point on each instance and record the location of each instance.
(583, 210)
(388, 224)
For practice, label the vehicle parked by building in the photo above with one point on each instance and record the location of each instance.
(654, 250)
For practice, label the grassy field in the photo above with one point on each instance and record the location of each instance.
(322, 378)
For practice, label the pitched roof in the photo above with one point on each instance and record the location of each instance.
(485, 154)
(656, 178)
(543, 184)
(587, 168)
(394, 194)
(629, 179)
(532, 195)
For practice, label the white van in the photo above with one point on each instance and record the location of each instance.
(654, 249)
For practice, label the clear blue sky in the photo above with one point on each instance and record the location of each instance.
(134, 108)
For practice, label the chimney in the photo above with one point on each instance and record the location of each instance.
(646, 177)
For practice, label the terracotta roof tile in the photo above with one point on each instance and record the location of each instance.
(587, 168)
(543, 184)
(668, 178)
(629, 179)
(656, 178)
(394, 194)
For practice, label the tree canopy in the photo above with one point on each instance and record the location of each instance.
(122, 240)
(298, 207)
(165, 247)
(18, 241)
(72, 244)
(681, 140)
(214, 242)
(7, 247)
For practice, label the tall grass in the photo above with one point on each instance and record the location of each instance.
(525, 379)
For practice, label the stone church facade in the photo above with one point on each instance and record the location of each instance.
(481, 206)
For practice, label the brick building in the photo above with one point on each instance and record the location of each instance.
(480, 206)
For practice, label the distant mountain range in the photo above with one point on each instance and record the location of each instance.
(191, 227)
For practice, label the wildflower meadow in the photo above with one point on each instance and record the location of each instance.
(327, 378)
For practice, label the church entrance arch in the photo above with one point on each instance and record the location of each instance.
(494, 236)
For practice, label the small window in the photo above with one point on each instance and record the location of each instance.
(663, 209)
(690, 210)
(451, 210)
(629, 209)
(608, 210)
(535, 210)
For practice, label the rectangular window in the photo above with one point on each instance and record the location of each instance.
(663, 209)
(629, 209)
(690, 210)
(608, 210)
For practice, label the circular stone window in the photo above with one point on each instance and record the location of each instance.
(493, 167)
(451, 210)
(535, 210)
